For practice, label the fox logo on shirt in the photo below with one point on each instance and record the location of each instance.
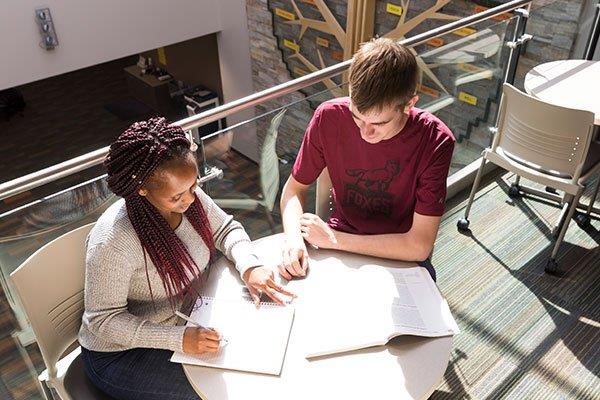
(368, 192)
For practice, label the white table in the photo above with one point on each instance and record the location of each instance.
(567, 83)
(406, 368)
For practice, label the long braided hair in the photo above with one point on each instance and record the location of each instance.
(132, 159)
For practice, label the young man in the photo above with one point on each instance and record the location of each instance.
(388, 164)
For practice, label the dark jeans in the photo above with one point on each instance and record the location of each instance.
(138, 374)
(429, 267)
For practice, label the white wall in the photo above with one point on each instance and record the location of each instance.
(236, 72)
(94, 31)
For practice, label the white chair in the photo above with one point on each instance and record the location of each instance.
(50, 286)
(324, 195)
(546, 144)
(269, 176)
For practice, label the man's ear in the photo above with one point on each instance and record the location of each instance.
(411, 103)
(143, 192)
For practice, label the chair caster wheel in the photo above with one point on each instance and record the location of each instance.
(551, 266)
(582, 219)
(463, 224)
(514, 190)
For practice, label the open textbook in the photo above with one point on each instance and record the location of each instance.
(370, 305)
(256, 338)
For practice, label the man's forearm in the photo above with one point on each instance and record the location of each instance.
(395, 246)
(291, 220)
(291, 211)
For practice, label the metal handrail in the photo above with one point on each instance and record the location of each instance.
(96, 157)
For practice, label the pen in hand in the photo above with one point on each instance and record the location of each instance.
(222, 343)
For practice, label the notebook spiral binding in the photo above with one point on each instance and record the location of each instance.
(205, 299)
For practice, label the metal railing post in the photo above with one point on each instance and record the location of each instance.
(516, 44)
(517, 47)
(519, 39)
(592, 42)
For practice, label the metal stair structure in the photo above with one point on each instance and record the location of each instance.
(470, 68)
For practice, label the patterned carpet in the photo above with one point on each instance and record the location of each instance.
(525, 334)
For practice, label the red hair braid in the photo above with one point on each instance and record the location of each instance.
(131, 160)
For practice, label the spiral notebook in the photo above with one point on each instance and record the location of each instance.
(257, 338)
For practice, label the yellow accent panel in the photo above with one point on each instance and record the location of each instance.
(467, 98)
(465, 31)
(393, 9)
(429, 91)
(291, 45)
(285, 14)
(469, 68)
(500, 17)
(322, 42)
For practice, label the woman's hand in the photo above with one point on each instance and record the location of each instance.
(316, 231)
(260, 280)
(201, 340)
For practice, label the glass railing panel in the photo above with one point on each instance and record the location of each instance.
(559, 31)
(462, 76)
(27, 228)
(23, 230)
(253, 177)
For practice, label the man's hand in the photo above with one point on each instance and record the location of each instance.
(294, 259)
(260, 280)
(316, 232)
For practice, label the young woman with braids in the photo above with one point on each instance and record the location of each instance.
(144, 254)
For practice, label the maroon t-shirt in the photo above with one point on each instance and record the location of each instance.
(377, 187)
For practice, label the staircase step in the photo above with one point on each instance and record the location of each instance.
(438, 104)
(480, 45)
(468, 77)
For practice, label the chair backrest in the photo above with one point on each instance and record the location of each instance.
(323, 197)
(269, 162)
(548, 137)
(50, 286)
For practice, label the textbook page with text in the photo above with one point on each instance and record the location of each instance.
(370, 305)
